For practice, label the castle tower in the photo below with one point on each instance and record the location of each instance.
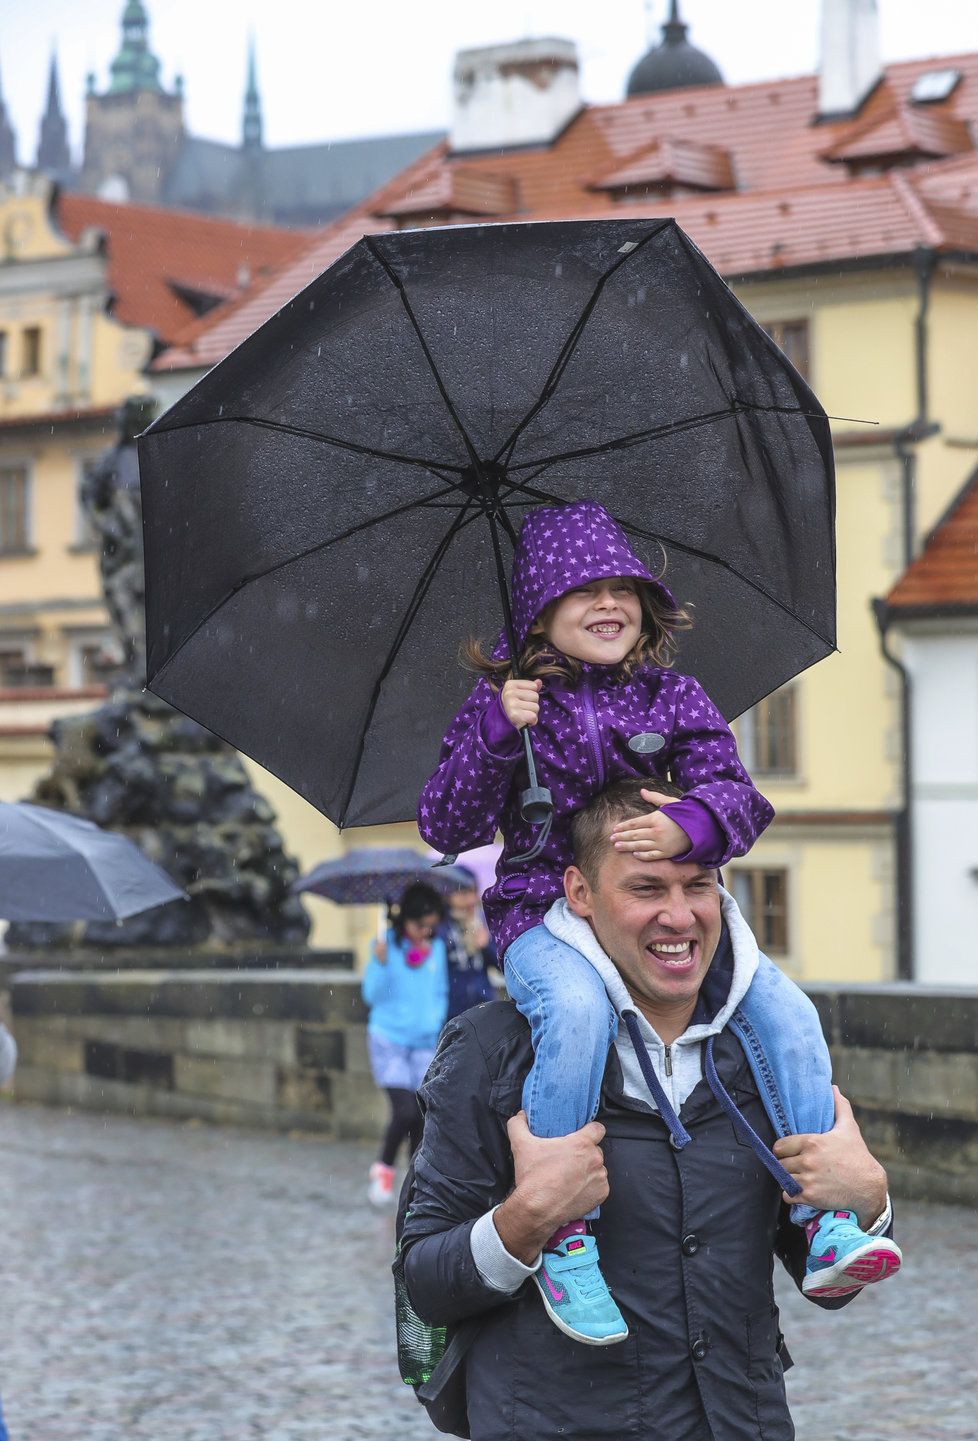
(8, 142)
(134, 130)
(53, 154)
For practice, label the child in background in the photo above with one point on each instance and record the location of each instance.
(596, 636)
(405, 986)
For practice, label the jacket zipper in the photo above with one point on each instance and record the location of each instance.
(668, 1060)
(593, 734)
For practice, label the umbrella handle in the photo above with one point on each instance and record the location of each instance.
(536, 802)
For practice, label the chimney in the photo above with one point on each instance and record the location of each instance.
(850, 55)
(522, 93)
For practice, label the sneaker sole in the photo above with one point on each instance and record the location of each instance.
(561, 1325)
(862, 1267)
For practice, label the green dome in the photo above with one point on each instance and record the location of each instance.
(135, 67)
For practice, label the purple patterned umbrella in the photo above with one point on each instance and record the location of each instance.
(375, 874)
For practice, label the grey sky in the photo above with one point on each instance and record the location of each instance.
(334, 68)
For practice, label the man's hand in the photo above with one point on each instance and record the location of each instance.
(836, 1170)
(557, 1180)
(651, 838)
(520, 700)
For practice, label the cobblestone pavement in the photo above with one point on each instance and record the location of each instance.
(170, 1282)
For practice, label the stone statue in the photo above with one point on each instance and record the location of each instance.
(110, 495)
(138, 766)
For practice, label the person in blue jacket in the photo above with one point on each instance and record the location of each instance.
(471, 949)
(405, 987)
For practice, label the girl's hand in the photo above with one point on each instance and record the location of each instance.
(520, 700)
(651, 838)
(379, 949)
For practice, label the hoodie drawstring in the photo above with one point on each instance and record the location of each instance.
(743, 1127)
(678, 1134)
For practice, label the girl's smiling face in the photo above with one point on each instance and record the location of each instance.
(597, 623)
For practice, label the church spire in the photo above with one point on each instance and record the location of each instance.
(53, 154)
(135, 67)
(8, 142)
(251, 125)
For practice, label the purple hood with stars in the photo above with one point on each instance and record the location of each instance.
(655, 723)
(563, 546)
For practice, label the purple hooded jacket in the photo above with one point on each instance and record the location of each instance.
(581, 738)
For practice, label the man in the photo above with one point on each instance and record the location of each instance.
(688, 1230)
(471, 950)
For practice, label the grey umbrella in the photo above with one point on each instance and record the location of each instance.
(57, 867)
(378, 873)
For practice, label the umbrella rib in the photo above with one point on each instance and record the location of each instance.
(398, 284)
(280, 426)
(569, 346)
(246, 580)
(626, 442)
(414, 604)
(673, 427)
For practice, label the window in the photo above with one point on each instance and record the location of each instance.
(94, 658)
(31, 351)
(768, 735)
(14, 509)
(13, 660)
(763, 900)
(792, 337)
(3, 353)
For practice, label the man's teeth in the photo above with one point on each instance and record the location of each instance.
(677, 950)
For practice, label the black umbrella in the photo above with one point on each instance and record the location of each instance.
(58, 867)
(330, 511)
(378, 874)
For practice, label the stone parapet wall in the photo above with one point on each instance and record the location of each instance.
(907, 1058)
(287, 1049)
(283, 1049)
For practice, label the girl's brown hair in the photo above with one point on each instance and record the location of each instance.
(656, 643)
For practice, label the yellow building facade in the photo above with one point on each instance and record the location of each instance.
(65, 365)
(891, 348)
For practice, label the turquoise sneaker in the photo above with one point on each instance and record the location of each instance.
(576, 1295)
(842, 1258)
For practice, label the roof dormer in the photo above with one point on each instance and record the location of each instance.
(669, 167)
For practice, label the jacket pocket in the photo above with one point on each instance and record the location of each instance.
(506, 1098)
(512, 887)
(766, 1375)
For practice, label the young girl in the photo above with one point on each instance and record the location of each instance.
(595, 629)
(405, 986)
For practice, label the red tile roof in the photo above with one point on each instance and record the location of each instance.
(907, 132)
(791, 207)
(461, 191)
(704, 167)
(945, 575)
(154, 254)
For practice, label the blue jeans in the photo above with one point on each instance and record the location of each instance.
(572, 1024)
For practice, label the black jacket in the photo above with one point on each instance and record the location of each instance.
(687, 1242)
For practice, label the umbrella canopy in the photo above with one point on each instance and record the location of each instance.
(377, 874)
(57, 867)
(331, 510)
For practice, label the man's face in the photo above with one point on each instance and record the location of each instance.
(463, 903)
(659, 921)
